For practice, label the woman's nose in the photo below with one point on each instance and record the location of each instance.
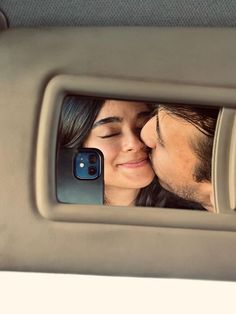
(133, 142)
(148, 133)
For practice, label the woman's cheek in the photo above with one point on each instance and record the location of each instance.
(108, 145)
(109, 151)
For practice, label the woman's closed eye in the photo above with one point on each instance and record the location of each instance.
(110, 135)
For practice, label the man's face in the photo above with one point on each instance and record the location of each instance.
(173, 158)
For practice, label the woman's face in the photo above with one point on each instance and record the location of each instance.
(116, 132)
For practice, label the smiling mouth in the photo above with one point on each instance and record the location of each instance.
(135, 163)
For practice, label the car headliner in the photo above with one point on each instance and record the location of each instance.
(187, 13)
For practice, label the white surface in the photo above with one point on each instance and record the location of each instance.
(58, 293)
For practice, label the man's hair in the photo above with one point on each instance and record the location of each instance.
(204, 119)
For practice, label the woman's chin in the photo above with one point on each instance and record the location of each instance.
(138, 182)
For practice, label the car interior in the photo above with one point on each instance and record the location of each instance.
(152, 52)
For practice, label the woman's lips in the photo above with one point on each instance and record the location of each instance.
(135, 163)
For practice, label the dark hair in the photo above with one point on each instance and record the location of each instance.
(77, 118)
(204, 119)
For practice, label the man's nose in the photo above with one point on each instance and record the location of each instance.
(148, 133)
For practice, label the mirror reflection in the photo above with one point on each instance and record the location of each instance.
(156, 155)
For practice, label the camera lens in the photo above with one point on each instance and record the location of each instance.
(92, 159)
(92, 170)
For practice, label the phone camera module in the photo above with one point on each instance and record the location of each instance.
(87, 164)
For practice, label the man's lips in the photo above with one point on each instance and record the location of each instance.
(135, 163)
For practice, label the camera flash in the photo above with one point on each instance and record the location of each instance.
(81, 165)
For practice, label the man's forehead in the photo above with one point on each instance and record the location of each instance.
(176, 126)
(164, 114)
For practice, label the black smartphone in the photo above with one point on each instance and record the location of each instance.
(80, 176)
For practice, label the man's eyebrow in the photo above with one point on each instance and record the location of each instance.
(158, 129)
(107, 120)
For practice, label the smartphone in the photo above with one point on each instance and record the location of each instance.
(80, 176)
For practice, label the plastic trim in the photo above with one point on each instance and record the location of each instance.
(224, 168)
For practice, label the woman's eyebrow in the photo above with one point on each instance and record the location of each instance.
(107, 120)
